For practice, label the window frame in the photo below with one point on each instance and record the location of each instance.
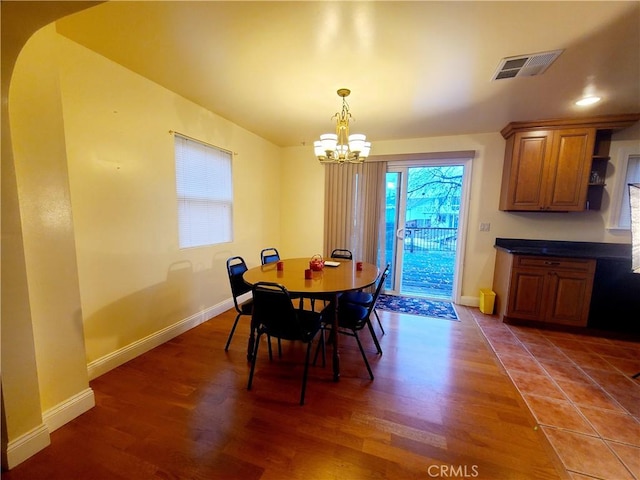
(621, 185)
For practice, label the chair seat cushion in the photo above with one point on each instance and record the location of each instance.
(246, 307)
(361, 298)
(311, 322)
(351, 315)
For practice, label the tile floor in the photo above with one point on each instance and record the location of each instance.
(580, 390)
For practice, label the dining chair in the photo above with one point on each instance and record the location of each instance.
(269, 255)
(351, 319)
(366, 298)
(236, 267)
(342, 253)
(275, 315)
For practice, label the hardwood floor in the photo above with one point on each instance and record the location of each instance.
(441, 406)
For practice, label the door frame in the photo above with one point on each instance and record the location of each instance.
(465, 194)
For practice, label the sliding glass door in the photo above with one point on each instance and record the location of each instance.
(423, 218)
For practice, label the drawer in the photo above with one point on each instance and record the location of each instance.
(574, 264)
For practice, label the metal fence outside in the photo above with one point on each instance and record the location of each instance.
(427, 238)
(428, 261)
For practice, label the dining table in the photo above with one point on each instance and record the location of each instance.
(335, 278)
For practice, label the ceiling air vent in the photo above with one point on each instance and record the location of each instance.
(525, 65)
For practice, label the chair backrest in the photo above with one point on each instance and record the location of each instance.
(274, 312)
(269, 255)
(235, 268)
(379, 287)
(342, 253)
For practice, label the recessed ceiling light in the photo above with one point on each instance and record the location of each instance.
(588, 101)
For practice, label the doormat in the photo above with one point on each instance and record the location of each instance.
(417, 306)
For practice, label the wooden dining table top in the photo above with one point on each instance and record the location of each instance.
(342, 278)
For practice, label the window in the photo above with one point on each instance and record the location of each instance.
(204, 193)
(622, 215)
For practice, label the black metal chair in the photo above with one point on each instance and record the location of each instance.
(235, 268)
(275, 315)
(366, 298)
(352, 318)
(269, 255)
(342, 253)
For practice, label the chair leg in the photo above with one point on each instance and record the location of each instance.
(364, 356)
(379, 322)
(321, 344)
(279, 348)
(254, 356)
(306, 371)
(252, 341)
(375, 337)
(270, 352)
(233, 329)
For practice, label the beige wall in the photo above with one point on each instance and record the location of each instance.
(43, 190)
(97, 221)
(23, 430)
(303, 199)
(134, 280)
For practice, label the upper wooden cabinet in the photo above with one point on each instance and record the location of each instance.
(551, 165)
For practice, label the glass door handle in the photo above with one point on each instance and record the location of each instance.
(400, 233)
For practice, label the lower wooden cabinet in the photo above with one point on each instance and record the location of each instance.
(543, 289)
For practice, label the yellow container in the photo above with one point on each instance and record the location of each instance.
(487, 300)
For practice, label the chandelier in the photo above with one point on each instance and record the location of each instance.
(340, 147)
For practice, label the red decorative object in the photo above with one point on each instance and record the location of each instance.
(317, 263)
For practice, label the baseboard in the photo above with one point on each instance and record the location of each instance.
(66, 411)
(26, 446)
(32, 442)
(468, 301)
(112, 360)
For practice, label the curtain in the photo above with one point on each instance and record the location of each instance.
(354, 204)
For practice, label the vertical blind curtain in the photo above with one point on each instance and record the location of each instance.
(354, 203)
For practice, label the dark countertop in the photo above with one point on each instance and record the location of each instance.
(555, 248)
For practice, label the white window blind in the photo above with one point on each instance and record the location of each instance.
(633, 176)
(204, 193)
(621, 210)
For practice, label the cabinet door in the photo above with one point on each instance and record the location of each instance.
(569, 169)
(527, 171)
(569, 296)
(527, 288)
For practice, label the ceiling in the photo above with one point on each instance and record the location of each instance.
(415, 69)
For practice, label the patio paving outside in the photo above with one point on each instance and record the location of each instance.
(428, 273)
